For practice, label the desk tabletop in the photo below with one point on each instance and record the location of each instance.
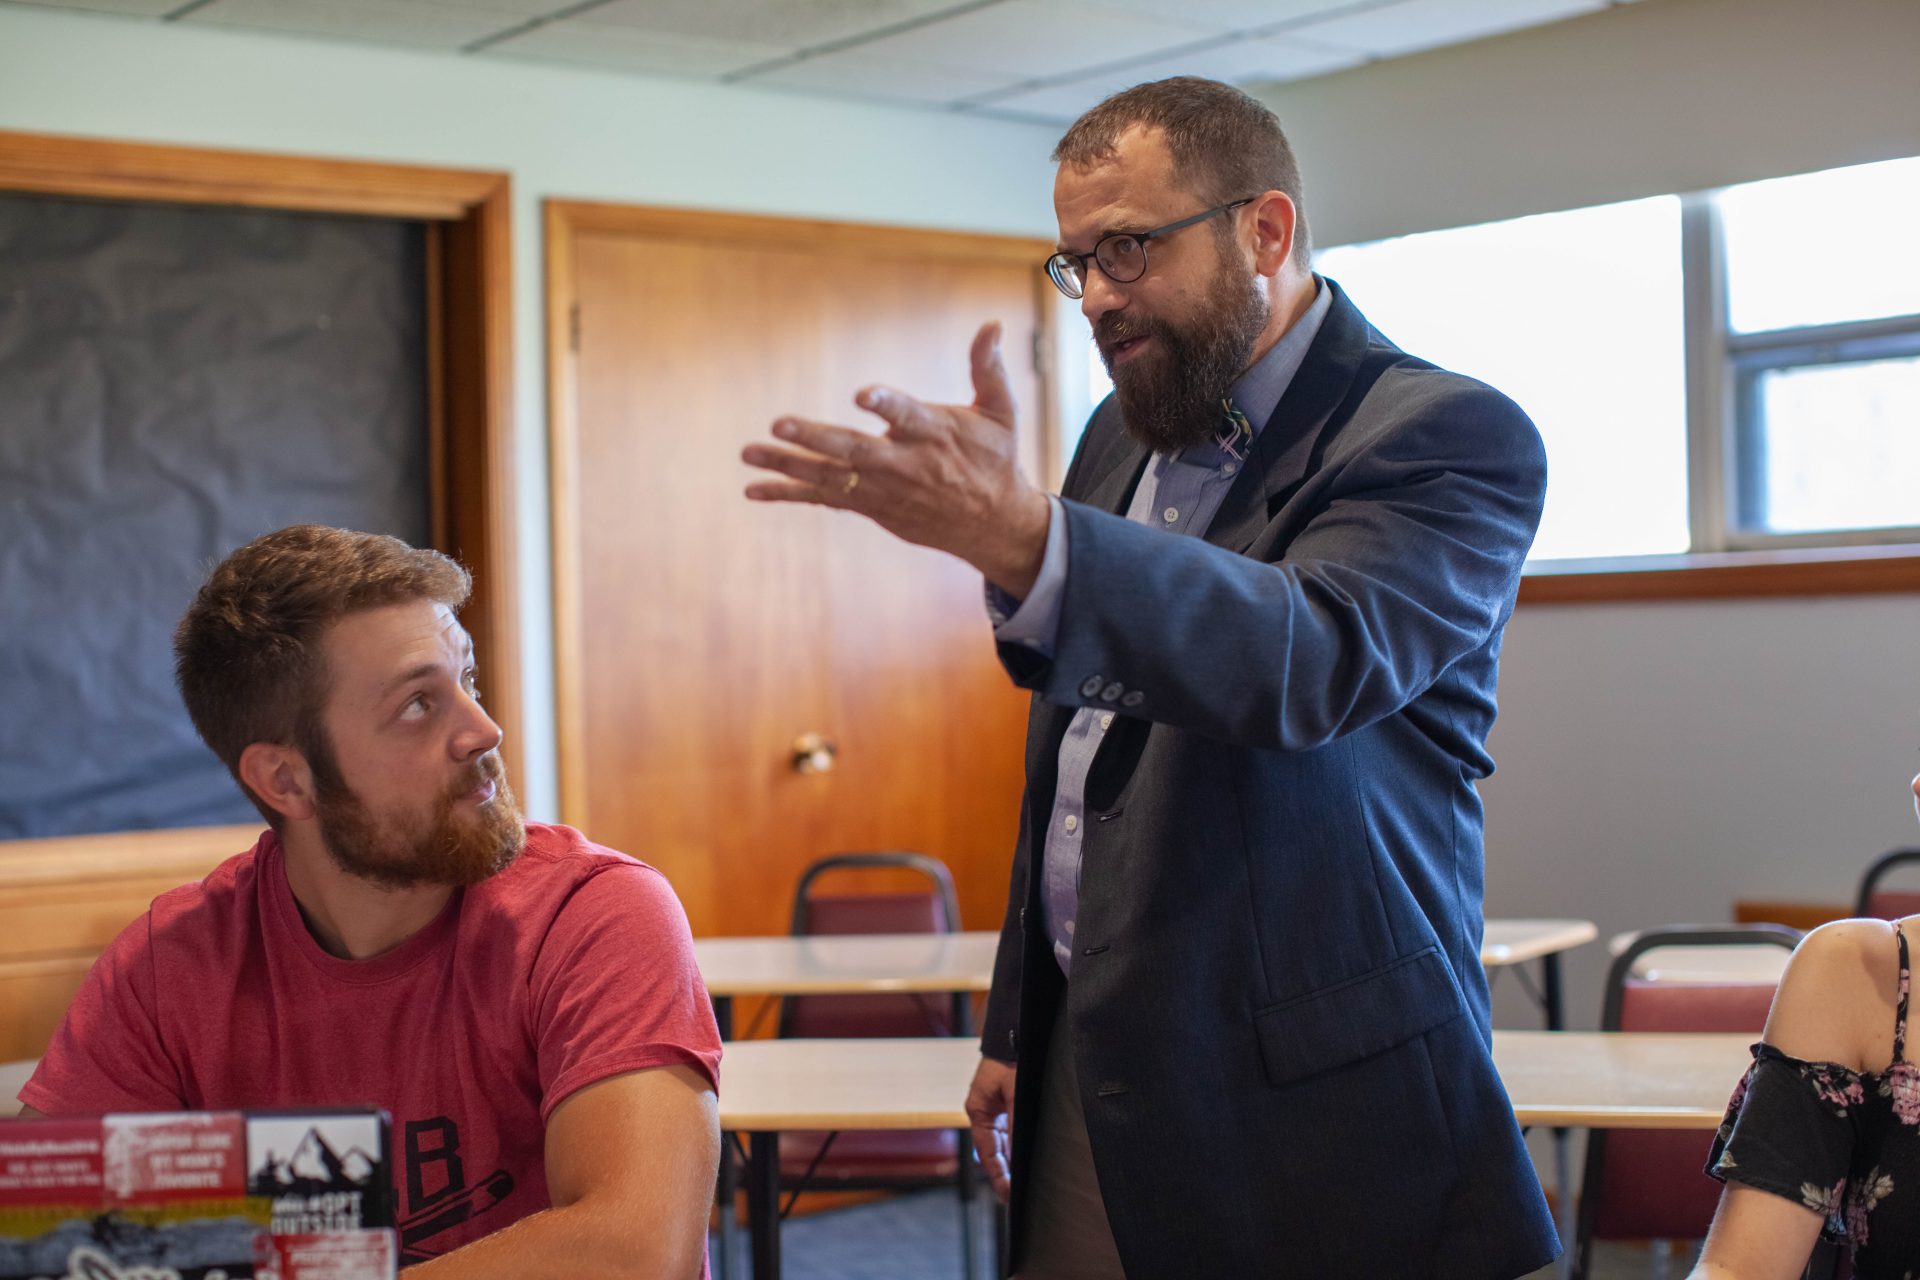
(1508, 942)
(841, 964)
(1623, 1080)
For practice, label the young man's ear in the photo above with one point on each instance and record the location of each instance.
(280, 777)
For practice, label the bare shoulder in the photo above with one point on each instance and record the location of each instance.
(1837, 999)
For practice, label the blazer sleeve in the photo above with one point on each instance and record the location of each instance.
(1409, 561)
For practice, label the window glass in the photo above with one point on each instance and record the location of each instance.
(1838, 447)
(1823, 247)
(1577, 316)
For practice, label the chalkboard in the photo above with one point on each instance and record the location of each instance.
(175, 381)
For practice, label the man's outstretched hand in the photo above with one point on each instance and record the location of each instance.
(945, 476)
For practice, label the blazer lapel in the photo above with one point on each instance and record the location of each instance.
(1286, 445)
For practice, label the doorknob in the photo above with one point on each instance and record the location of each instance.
(812, 753)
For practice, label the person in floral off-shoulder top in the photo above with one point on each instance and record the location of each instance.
(1822, 1136)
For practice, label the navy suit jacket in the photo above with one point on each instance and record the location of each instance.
(1279, 1014)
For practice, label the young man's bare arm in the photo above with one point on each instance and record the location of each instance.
(631, 1163)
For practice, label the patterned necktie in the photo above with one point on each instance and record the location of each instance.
(1235, 436)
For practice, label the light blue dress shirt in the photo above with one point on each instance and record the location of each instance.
(1178, 493)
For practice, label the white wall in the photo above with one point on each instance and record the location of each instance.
(560, 132)
(1636, 100)
(1657, 761)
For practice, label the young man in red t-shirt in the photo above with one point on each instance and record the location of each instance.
(523, 1002)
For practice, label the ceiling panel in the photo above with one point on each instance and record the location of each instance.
(140, 8)
(1412, 25)
(797, 23)
(1235, 15)
(857, 72)
(400, 22)
(614, 47)
(1034, 39)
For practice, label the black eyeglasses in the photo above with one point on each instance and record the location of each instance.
(1122, 255)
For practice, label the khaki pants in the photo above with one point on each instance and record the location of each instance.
(1067, 1235)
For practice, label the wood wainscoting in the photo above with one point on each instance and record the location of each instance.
(63, 900)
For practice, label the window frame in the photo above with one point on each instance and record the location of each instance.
(1722, 371)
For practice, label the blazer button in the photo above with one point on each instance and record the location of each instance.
(1090, 687)
(1112, 692)
(1133, 699)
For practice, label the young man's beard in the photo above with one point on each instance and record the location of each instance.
(445, 848)
(1171, 393)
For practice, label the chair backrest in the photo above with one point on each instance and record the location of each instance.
(1877, 903)
(1649, 1184)
(932, 910)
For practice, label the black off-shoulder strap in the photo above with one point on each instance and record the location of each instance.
(1900, 1019)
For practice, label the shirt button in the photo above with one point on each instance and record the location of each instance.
(1069, 928)
(1170, 514)
(1106, 721)
(1071, 823)
(1230, 468)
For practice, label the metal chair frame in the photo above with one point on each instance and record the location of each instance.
(1877, 872)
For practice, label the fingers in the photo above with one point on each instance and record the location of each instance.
(808, 468)
(841, 443)
(991, 1146)
(906, 417)
(992, 395)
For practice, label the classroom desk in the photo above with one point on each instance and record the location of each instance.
(1621, 1080)
(865, 964)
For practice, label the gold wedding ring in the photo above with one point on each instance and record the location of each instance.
(852, 482)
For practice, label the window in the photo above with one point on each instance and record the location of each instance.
(1719, 371)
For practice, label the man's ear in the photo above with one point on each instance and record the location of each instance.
(1274, 218)
(279, 775)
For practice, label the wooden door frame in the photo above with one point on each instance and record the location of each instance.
(565, 219)
(470, 395)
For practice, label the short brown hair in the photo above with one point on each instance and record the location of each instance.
(1225, 144)
(247, 653)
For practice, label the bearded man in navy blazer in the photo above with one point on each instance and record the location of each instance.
(1239, 984)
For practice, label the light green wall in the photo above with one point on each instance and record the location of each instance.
(559, 132)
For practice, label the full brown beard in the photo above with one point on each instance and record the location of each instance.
(445, 848)
(1171, 393)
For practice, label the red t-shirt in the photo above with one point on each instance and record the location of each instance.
(572, 965)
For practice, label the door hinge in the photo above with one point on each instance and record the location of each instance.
(573, 328)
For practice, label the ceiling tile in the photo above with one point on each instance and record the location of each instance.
(796, 23)
(1059, 103)
(398, 22)
(1413, 25)
(1235, 15)
(1037, 39)
(140, 8)
(615, 47)
(858, 73)
(1252, 61)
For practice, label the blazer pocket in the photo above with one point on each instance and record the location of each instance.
(1358, 1017)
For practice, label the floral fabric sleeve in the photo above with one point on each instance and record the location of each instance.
(1790, 1130)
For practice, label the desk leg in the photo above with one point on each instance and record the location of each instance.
(763, 1204)
(1563, 1199)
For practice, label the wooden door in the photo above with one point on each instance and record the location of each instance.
(699, 635)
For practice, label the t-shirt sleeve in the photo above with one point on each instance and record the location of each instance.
(106, 1054)
(1789, 1130)
(616, 987)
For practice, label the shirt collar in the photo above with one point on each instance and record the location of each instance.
(1257, 392)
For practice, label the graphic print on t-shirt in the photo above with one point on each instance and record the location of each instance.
(438, 1196)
